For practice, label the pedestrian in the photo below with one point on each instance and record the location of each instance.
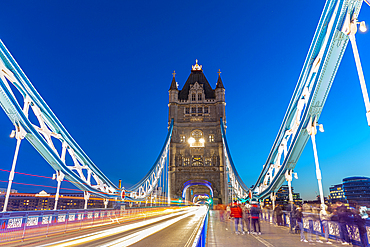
(299, 217)
(325, 217)
(221, 209)
(291, 208)
(255, 212)
(360, 220)
(343, 219)
(237, 214)
(312, 216)
(246, 217)
(334, 219)
(279, 215)
(227, 217)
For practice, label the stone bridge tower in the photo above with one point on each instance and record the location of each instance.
(196, 150)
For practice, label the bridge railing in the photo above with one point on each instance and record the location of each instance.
(201, 237)
(317, 227)
(26, 224)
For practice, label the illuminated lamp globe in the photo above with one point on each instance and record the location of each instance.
(191, 140)
(201, 140)
(363, 27)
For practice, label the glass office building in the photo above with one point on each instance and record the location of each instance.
(357, 190)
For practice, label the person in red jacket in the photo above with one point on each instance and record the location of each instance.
(237, 214)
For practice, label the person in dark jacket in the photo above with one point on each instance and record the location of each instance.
(360, 221)
(298, 217)
(279, 215)
(237, 213)
(343, 219)
(255, 217)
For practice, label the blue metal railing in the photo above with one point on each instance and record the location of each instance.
(317, 227)
(200, 240)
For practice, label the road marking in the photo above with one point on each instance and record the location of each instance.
(263, 241)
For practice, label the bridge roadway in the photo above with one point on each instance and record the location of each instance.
(175, 229)
(272, 235)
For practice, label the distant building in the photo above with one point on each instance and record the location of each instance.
(3, 191)
(354, 190)
(45, 201)
(357, 190)
(282, 197)
(336, 193)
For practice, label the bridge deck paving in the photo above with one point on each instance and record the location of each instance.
(272, 235)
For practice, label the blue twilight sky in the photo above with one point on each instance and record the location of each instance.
(105, 67)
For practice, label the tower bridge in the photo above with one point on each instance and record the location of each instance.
(196, 152)
(195, 160)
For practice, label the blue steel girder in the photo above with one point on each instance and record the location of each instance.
(82, 171)
(319, 70)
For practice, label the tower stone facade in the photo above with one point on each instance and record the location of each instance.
(196, 150)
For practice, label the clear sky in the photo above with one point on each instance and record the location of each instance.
(105, 67)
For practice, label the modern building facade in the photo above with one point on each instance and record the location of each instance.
(196, 149)
(357, 190)
(353, 190)
(336, 193)
(282, 197)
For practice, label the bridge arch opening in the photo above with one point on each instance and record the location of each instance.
(196, 188)
(202, 198)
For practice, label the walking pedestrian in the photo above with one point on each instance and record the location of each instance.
(360, 220)
(299, 217)
(312, 216)
(237, 214)
(343, 218)
(227, 217)
(246, 217)
(221, 209)
(325, 217)
(279, 215)
(255, 212)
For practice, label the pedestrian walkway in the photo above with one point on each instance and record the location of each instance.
(272, 235)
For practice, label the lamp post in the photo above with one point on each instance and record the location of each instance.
(312, 130)
(59, 176)
(19, 134)
(289, 177)
(350, 28)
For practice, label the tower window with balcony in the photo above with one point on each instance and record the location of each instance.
(211, 138)
(199, 97)
(182, 138)
(193, 97)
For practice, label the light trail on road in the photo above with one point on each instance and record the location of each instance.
(140, 230)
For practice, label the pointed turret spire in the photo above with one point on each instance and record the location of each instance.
(173, 83)
(219, 83)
